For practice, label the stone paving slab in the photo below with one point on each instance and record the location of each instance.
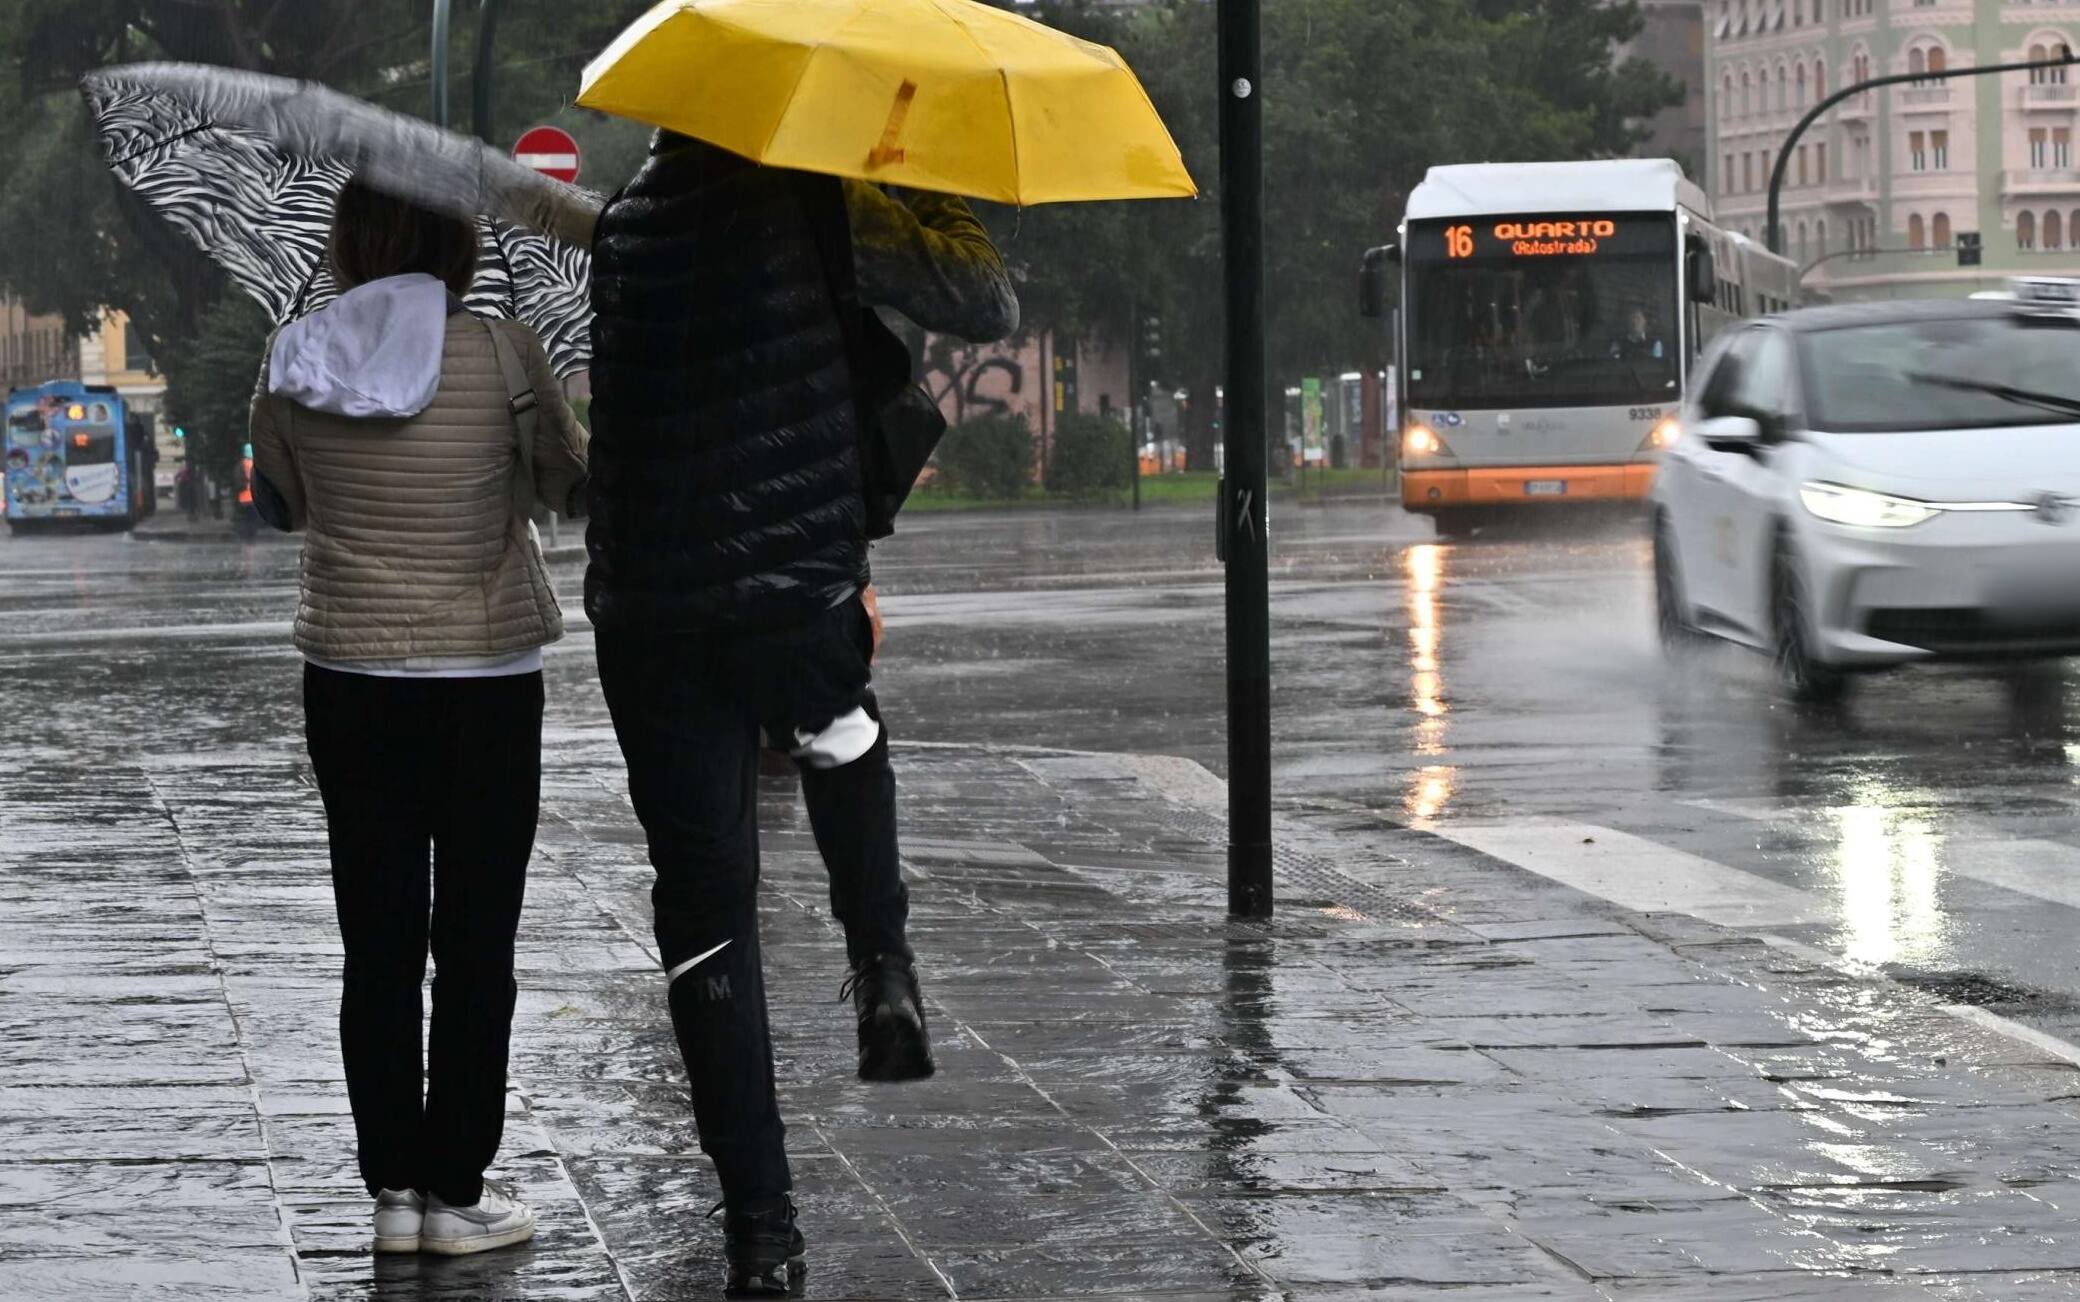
(1504, 1092)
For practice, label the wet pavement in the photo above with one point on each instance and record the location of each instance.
(1590, 980)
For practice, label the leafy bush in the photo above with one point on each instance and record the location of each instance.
(1089, 457)
(989, 456)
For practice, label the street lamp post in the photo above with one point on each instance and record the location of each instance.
(1244, 520)
(1774, 230)
(441, 17)
(480, 81)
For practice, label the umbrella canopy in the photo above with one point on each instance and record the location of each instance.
(248, 166)
(946, 95)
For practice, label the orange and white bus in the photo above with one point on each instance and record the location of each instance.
(1550, 314)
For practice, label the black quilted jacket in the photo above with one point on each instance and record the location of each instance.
(725, 482)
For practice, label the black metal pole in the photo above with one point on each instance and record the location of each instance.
(441, 15)
(1773, 229)
(1134, 336)
(481, 80)
(1245, 519)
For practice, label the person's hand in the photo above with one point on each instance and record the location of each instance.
(872, 602)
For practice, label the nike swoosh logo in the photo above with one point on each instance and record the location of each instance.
(674, 974)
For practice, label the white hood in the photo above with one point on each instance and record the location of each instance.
(2003, 464)
(374, 352)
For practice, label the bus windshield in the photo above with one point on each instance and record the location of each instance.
(1542, 311)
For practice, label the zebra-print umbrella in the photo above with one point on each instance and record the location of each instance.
(247, 166)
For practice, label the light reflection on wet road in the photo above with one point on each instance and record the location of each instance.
(1506, 683)
(1504, 678)
(1515, 678)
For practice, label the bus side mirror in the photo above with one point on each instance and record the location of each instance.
(1702, 274)
(1372, 280)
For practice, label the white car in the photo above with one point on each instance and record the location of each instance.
(1871, 485)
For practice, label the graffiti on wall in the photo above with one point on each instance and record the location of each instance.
(969, 383)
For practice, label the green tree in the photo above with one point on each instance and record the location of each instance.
(74, 242)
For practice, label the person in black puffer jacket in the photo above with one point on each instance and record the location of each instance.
(728, 588)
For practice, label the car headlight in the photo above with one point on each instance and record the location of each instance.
(1862, 508)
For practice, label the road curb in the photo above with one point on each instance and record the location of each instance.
(208, 537)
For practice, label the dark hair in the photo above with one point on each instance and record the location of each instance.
(375, 235)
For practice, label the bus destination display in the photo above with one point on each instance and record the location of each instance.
(1489, 239)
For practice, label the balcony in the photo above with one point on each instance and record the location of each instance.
(2049, 95)
(2041, 181)
(1853, 189)
(1856, 108)
(1925, 98)
(1935, 183)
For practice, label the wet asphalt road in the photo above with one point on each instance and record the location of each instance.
(1509, 682)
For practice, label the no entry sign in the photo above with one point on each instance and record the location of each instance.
(550, 151)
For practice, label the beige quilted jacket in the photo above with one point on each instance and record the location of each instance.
(414, 547)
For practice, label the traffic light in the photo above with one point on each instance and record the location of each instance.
(180, 435)
(1968, 248)
(1152, 337)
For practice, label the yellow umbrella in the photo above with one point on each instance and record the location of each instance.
(946, 95)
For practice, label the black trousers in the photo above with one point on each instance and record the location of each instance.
(412, 770)
(689, 711)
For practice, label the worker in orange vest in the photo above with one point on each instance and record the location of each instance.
(247, 517)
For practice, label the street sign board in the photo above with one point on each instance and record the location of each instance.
(550, 151)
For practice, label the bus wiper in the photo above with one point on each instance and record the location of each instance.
(2051, 402)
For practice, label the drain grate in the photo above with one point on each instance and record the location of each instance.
(1311, 878)
(1979, 990)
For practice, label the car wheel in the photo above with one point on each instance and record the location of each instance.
(1805, 678)
(1671, 611)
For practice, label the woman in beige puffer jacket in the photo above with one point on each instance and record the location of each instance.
(384, 429)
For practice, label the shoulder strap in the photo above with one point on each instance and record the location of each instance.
(527, 418)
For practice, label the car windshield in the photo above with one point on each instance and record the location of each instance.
(1496, 328)
(1945, 373)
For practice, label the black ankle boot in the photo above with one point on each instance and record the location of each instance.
(893, 1043)
(766, 1252)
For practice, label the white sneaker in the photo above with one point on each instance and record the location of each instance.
(399, 1213)
(495, 1220)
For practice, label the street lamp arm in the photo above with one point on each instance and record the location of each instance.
(1773, 231)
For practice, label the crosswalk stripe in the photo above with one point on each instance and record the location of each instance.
(2040, 869)
(1643, 875)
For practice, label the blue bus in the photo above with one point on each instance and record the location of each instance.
(74, 453)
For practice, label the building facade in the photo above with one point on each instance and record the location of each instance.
(1671, 38)
(34, 348)
(1878, 191)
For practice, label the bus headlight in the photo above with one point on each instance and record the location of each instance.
(1664, 434)
(1861, 508)
(1421, 441)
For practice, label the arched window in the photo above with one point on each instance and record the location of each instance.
(1799, 88)
(1819, 79)
(1937, 60)
(1917, 232)
(1783, 88)
(1747, 95)
(1916, 60)
(2040, 51)
(2025, 230)
(1940, 229)
(1726, 97)
(1816, 11)
(1820, 237)
(2073, 225)
(1801, 243)
(2054, 234)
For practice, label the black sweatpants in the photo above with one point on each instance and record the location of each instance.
(689, 711)
(412, 769)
